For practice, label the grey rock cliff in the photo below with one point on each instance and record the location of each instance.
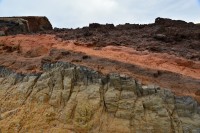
(69, 98)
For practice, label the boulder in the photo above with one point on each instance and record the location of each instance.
(13, 26)
(38, 23)
(19, 25)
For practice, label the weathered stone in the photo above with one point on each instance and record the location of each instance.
(123, 114)
(61, 97)
(18, 25)
(111, 100)
(150, 89)
(115, 81)
(186, 106)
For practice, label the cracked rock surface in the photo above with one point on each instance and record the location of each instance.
(72, 98)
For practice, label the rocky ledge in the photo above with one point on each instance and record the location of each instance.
(23, 24)
(72, 98)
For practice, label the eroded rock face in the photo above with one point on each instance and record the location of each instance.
(38, 23)
(13, 26)
(69, 98)
(18, 25)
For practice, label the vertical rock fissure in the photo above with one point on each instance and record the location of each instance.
(119, 97)
(171, 120)
(30, 89)
(102, 96)
(73, 82)
(50, 86)
(62, 83)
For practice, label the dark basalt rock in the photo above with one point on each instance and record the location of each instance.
(22, 25)
(163, 36)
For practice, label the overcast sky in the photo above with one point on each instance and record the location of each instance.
(79, 13)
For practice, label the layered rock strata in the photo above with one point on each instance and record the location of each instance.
(72, 98)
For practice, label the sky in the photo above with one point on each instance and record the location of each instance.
(79, 13)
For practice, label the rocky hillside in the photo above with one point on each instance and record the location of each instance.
(102, 78)
(164, 36)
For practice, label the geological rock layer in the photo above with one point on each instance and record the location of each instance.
(70, 98)
(102, 78)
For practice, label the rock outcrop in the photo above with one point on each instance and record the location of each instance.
(38, 23)
(70, 98)
(170, 22)
(164, 36)
(13, 26)
(17, 25)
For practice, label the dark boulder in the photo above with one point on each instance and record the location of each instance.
(21, 25)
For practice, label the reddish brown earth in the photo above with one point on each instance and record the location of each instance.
(27, 53)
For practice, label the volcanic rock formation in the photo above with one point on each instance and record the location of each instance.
(102, 78)
(17, 25)
(164, 36)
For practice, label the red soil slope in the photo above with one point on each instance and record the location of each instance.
(36, 46)
(26, 53)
